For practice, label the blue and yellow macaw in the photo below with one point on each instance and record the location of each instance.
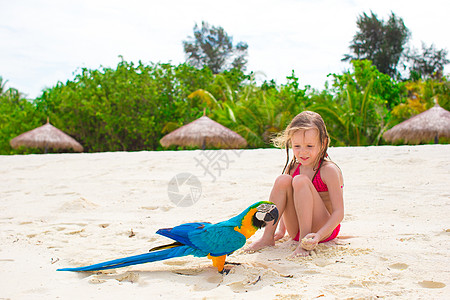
(201, 239)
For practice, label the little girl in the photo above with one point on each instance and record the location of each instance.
(308, 194)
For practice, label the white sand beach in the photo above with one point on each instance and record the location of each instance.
(69, 210)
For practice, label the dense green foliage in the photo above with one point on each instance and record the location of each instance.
(358, 111)
(422, 95)
(126, 108)
(131, 107)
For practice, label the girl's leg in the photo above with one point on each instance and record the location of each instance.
(310, 209)
(289, 221)
(281, 231)
(281, 192)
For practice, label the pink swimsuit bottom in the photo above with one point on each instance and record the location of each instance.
(320, 187)
(333, 235)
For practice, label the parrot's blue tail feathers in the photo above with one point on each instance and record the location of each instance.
(134, 260)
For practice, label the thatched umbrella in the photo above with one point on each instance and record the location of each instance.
(431, 124)
(45, 137)
(204, 132)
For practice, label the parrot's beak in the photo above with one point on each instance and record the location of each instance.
(272, 215)
(266, 212)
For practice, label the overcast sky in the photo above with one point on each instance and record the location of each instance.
(46, 41)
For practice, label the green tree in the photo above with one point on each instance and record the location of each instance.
(211, 46)
(429, 63)
(379, 41)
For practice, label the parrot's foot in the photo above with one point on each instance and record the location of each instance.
(225, 271)
(232, 263)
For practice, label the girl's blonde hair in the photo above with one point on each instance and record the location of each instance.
(303, 121)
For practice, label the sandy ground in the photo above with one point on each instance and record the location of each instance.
(67, 210)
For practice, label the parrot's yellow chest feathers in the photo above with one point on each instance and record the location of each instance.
(247, 228)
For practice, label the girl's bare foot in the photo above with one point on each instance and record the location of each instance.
(260, 244)
(279, 235)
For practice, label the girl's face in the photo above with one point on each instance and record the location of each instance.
(306, 146)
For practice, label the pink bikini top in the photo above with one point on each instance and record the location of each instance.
(316, 181)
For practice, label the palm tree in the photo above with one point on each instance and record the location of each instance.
(258, 114)
(2, 86)
(354, 116)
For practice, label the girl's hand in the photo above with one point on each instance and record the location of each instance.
(310, 241)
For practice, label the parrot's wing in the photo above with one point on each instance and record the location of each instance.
(217, 239)
(180, 233)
